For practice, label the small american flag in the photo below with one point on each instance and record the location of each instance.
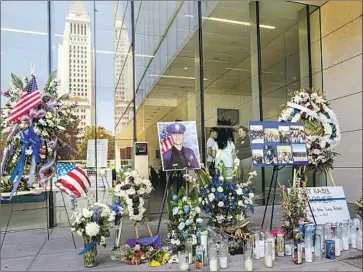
(29, 100)
(165, 142)
(72, 180)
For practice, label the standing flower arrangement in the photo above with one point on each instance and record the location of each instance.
(321, 126)
(184, 218)
(93, 224)
(133, 189)
(33, 137)
(226, 201)
(294, 205)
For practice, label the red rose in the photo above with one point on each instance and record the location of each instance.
(304, 115)
(310, 107)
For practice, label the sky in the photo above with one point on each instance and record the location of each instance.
(19, 49)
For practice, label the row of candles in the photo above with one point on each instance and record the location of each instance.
(308, 241)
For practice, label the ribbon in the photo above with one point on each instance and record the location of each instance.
(87, 247)
(48, 169)
(154, 241)
(28, 138)
(8, 150)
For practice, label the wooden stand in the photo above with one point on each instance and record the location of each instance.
(148, 229)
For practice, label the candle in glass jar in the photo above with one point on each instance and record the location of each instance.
(288, 247)
(359, 238)
(268, 261)
(213, 265)
(337, 247)
(248, 265)
(223, 262)
(268, 253)
(247, 255)
(353, 236)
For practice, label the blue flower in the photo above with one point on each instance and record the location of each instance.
(175, 198)
(232, 186)
(181, 226)
(175, 210)
(185, 234)
(186, 209)
(188, 222)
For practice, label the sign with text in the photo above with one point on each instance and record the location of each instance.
(102, 153)
(328, 204)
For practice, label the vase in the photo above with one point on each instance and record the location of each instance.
(90, 257)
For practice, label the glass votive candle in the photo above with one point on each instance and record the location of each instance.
(320, 231)
(183, 260)
(318, 249)
(213, 258)
(359, 238)
(223, 255)
(256, 245)
(327, 231)
(199, 258)
(309, 247)
(272, 238)
(288, 247)
(247, 256)
(353, 236)
(268, 253)
(345, 234)
(189, 249)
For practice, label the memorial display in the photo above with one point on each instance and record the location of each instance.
(35, 125)
(359, 206)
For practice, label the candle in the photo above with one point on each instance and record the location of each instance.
(288, 249)
(262, 248)
(213, 265)
(353, 237)
(184, 267)
(359, 242)
(248, 265)
(268, 261)
(223, 262)
(345, 243)
(337, 247)
(308, 255)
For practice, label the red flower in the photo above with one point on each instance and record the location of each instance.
(310, 107)
(304, 115)
(6, 94)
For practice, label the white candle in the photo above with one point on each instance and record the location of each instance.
(268, 261)
(248, 265)
(190, 258)
(353, 238)
(337, 247)
(288, 249)
(359, 243)
(223, 262)
(273, 248)
(213, 265)
(308, 255)
(345, 243)
(262, 248)
(184, 267)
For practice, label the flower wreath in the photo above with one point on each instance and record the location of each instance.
(133, 189)
(321, 125)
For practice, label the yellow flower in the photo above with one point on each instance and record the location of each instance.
(154, 263)
(166, 257)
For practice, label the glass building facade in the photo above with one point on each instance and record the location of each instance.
(131, 64)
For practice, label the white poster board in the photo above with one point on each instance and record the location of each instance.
(328, 204)
(102, 153)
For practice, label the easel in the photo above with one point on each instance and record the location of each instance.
(46, 199)
(273, 183)
(170, 177)
(148, 229)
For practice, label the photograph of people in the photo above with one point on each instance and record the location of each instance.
(284, 134)
(226, 149)
(179, 145)
(299, 153)
(284, 154)
(243, 152)
(270, 154)
(212, 148)
(257, 156)
(271, 135)
(297, 134)
(256, 134)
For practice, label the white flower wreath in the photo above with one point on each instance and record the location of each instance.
(321, 125)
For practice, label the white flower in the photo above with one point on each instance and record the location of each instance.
(181, 226)
(253, 174)
(141, 191)
(137, 247)
(103, 240)
(220, 189)
(239, 191)
(29, 151)
(236, 162)
(175, 210)
(199, 220)
(105, 212)
(112, 216)
(184, 199)
(221, 178)
(131, 191)
(194, 239)
(199, 199)
(220, 204)
(87, 213)
(251, 195)
(211, 197)
(92, 229)
(44, 133)
(213, 190)
(240, 203)
(79, 232)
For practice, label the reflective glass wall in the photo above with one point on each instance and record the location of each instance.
(131, 64)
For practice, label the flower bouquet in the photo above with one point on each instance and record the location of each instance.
(294, 205)
(116, 217)
(226, 202)
(144, 254)
(359, 206)
(93, 224)
(132, 190)
(184, 218)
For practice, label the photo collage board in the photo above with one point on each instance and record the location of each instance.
(278, 144)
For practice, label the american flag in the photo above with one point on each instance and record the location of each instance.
(165, 142)
(28, 100)
(72, 180)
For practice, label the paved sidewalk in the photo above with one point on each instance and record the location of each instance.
(32, 251)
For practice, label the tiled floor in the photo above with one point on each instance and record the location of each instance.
(32, 251)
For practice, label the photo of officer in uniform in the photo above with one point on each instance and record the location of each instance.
(179, 145)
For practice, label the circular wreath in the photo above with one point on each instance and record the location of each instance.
(133, 190)
(321, 125)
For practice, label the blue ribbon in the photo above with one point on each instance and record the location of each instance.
(28, 138)
(327, 199)
(88, 247)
